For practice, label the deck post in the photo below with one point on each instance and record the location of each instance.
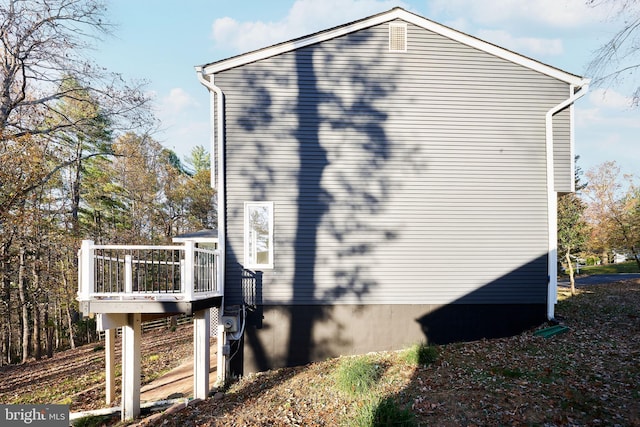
(110, 364)
(85, 270)
(201, 353)
(131, 337)
(128, 274)
(189, 266)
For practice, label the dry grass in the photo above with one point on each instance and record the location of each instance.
(77, 378)
(588, 376)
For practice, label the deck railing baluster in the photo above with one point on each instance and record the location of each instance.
(121, 272)
(118, 271)
(105, 266)
(153, 270)
(168, 264)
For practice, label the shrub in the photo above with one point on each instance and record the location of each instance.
(384, 412)
(357, 375)
(421, 354)
(592, 260)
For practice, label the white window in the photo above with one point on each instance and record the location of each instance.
(258, 234)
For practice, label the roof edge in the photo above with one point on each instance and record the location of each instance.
(381, 18)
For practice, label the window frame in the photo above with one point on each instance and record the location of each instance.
(251, 261)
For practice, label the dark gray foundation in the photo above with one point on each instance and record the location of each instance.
(358, 329)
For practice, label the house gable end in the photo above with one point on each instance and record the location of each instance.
(394, 14)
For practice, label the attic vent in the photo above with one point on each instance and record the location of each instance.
(397, 37)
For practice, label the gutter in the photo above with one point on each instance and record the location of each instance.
(218, 183)
(552, 196)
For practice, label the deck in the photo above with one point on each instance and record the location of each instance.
(148, 279)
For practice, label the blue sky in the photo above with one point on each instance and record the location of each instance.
(162, 41)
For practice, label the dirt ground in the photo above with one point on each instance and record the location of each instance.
(176, 383)
(588, 376)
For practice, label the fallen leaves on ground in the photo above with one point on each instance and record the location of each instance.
(587, 376)
(77, 377)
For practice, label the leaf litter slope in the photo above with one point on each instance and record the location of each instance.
(76, 377)
(587, 376)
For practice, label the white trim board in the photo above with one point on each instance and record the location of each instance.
(393, 14)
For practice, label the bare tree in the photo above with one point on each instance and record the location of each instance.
(618, 60)
(44, 45)
(57, 109)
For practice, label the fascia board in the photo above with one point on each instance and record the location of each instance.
(289, 46)
(396, 13)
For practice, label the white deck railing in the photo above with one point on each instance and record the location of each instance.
(121, 272)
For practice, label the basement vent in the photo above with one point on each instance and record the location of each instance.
(397, 37)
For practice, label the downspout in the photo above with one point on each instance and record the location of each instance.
(218, 137)
(552, 197)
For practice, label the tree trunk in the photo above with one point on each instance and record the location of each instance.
(57, 323)
(5, 313)
(3, 345)
(23, 303)
(49, 332)
(37, 329)
(6, 299)
(9, 345)
(37, 325)
(572, 279)
(65, 284)
(75, 190)
(72, 343)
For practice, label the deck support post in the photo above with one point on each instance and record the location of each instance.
(110, 365)
(131, 337)
(201, 353)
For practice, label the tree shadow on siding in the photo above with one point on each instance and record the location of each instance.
(359, 119)
(340, 180)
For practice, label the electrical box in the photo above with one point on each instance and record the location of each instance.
(230, 323)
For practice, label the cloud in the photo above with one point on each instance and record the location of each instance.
(185, 122)
(604, 133)
(554, 13)
(304, 17)
(609, 117)
(609, 98)
(176, 102)
(530, 45)
(177, 111)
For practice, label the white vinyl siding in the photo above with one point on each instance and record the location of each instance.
(399, 179)
(563, 152)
